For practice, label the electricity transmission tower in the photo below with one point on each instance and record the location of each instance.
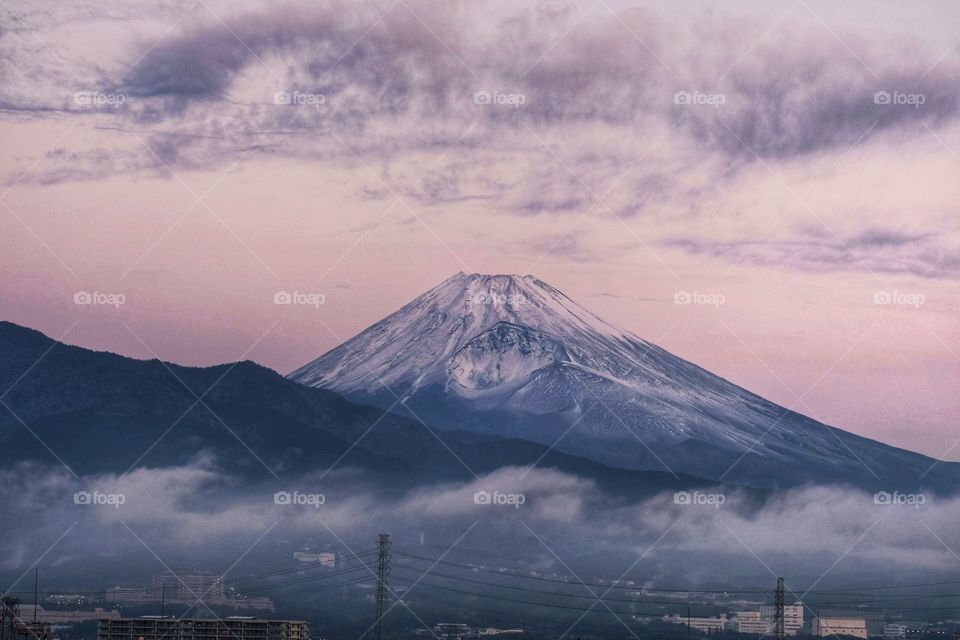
(779, 626)
(383, 570)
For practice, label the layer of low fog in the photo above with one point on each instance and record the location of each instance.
(199, 516)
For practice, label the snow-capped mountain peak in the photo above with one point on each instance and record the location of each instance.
(513, 355)
(409, 349)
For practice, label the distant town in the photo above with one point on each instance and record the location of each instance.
(117, 612)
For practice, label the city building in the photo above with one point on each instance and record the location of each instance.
(457, 631)
(133, 596)
(792, 617)
(65, 599)
(450, 630)
(130, 596)
(875, 620)
(749, 622)
(188, 586)
(707, 625)
(856, 627)
(895, 631)
(234, 627)
(55, 617)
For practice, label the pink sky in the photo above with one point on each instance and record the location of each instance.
(796, 195)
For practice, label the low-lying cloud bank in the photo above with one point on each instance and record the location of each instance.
(185, 512)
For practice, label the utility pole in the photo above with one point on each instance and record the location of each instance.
(36, 579)
(383, 571)
(163, 598)
(779, 624)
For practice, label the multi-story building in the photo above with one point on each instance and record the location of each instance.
(875, 620)
(56, 617)
(895, 631)
(451, 630)
(188, 586)
(68, 599)
(130, 596)
(458, 631)
(234, 628)
(749, 622)
(127, 596)
(707, 625)
(792, 617)
(856, 627)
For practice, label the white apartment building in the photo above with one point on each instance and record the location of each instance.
(707, 625)
(749, 622)
(792, 617)
(856, 627)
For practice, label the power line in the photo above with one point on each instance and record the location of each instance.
(604, 598)
(315, 565)
(846, 591)
(594, 609)
(287, 583)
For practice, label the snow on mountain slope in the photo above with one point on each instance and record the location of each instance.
(407, 347)
(514, 356)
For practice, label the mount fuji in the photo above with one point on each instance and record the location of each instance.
(513, 356)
